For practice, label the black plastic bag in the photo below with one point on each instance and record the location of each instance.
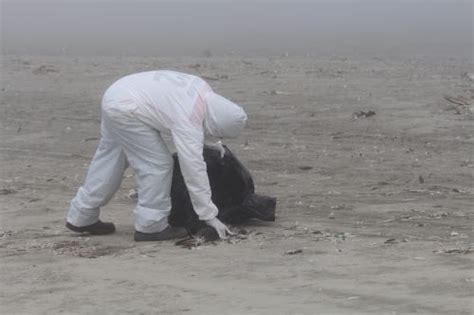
(233, 193)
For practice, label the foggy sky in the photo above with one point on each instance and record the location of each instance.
(250, 27)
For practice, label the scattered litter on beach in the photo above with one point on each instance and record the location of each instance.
(394, 241)
(294, 252)
(458, 100)
(79, 247)
(363, 114)
(216, 77)
(192, 242)
(461, 105)
(459, 250)
(7, 191)
(45, 69)
(277, 92)
(350, 298)
(421, 180)
(208, 236)
(439, 215)
(5, 234)
(91, 139)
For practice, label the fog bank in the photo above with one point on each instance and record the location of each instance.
(253, 28)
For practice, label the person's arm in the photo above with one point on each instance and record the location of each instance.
(189, 146)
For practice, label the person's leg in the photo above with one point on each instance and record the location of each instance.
(152, 162)
(102, 181)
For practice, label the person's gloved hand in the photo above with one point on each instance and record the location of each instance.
(221, 148)
(218, 146)
(221, 229)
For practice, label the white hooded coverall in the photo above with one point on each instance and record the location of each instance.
(135, 111)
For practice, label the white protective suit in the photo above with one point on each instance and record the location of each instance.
(135, 111)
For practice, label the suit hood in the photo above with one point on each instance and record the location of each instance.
(224, 119)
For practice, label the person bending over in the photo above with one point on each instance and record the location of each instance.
(136, 111)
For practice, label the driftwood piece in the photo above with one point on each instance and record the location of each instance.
(458, 100)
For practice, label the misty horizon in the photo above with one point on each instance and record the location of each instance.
(163, 28)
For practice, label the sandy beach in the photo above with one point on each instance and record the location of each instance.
(374, 214)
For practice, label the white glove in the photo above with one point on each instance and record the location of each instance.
(218, 146)
(221, 229)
